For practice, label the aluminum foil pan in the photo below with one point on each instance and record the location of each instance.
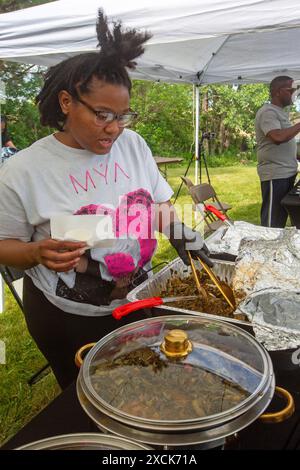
(265, 264)
(155, 284)
(228, 239)
(275, 316)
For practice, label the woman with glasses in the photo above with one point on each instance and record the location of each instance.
(92, 165)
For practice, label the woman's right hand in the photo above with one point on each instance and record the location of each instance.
(59, 256)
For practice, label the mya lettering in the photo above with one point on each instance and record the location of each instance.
(91, 179)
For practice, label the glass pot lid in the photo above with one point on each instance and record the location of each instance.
(175, 369)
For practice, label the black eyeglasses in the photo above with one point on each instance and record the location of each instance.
(102, 118)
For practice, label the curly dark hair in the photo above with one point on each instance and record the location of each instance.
(118, 49)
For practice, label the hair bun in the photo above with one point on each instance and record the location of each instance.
(119, 47)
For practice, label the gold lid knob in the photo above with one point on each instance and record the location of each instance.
(176, 344)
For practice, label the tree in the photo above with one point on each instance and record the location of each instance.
(165, 116)
(22, 84)
(231, 113)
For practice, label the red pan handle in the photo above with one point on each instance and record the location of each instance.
(124, 310)
(216, 212)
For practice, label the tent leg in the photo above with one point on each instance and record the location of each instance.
(197, 120)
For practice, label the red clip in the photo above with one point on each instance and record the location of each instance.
(215, 211)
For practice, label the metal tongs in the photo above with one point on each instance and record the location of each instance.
(224, 288)
(200, 289)
(125, 309)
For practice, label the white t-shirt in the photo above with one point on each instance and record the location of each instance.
(50, 178)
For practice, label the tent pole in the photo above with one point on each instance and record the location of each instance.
(197, 120)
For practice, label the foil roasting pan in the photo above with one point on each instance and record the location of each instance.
(226, 241)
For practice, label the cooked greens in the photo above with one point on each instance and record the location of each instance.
(146, 384)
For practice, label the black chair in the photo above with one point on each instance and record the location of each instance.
(10, 275)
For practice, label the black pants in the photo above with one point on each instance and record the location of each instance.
(59, 335)
(272, 213)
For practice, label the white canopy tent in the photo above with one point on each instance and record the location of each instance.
(194, 41)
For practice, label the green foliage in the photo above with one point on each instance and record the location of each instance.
(22, 84)
(229, 111)
(231, 157)
(13, 5)
(165, 116)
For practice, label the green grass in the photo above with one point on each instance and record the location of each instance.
(19, 402)
(238, 186)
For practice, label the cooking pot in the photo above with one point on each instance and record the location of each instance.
(177, 381)
(84, 441)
